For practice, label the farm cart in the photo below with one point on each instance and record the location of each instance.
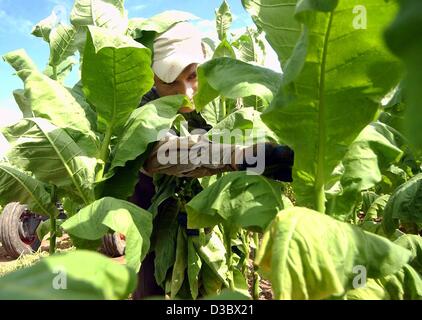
(18, 232)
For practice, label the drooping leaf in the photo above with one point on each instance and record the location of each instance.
(157, 24)
(108, 14)
(223, 20)
(405, 205)
(52, 156)
(180, 264)
(116, 73)
(405, 40)
(414, 244)
(308, 255)
(234, 79)
(194, 268)
(213, 253)
(78, 275)
(322, 79)
(144, 127)
(23, 103)
(95, 220)
(17, 186)
(238, 200)
(166, 240)
(19, 60)
(367, 157)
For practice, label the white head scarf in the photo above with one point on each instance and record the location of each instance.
(175, 49)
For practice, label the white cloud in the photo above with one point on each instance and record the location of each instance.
(9, 22)
(138, 7)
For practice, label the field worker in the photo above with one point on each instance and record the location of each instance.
(177, 54)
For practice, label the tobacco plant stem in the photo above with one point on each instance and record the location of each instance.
(104, 151)
(54, 72)
(53, 229)
(229, 258)
(223, 107)
(255, 288)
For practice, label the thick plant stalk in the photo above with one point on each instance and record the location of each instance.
(229, 258)
(53, 237)
(255, 286)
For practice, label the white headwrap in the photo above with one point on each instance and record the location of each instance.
(175, 49)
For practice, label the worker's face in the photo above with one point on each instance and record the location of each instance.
(186, 83)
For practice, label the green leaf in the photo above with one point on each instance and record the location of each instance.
(327, 73)
(52, 156)
(95, 220)
(414, 244)
(108, 14)
(78, 275)
(277, 19)
(62, 70)
(227, 294)
(234, 79)
(376, 209)
(194, 267)
(405, 40)
(143, 127)
(213, 253)
(249, 47)
(224, 49)
(245, 126)
(19, 60)
(308, 255)
(180, 264)
(223, 20)
(368, 156)
(116, 73)
(62, 44)
(166, 227)
(405, 204)
(23, 103)
(213, 112)
(44, 228)
(17, 186)
(406, 284)
(43, 28)
(237, 200)
(157, 24)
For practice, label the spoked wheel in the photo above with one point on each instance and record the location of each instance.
(18, 228)
(114, 245)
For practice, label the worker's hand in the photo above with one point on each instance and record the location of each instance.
(279, 161)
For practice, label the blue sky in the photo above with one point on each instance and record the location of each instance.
(17, 17)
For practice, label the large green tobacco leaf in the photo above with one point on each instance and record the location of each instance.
(405, 40)
(160, 23)
(368, 156)
(234, 79)
(277, 19)
(223, 20)
(16, 185)
(108, 14)
(143, 127)
(95, 220)
(52, 156)
(405, 205)
(23, 103)
(405, 284)
(194, 267)
(166, 227)
(308, 255)
(414, 244)
(78, 275)
(116, 73)
(48, 99)
(331, 89)
(63, 44)
(237, 200)
(180, 264)
(224, 49)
